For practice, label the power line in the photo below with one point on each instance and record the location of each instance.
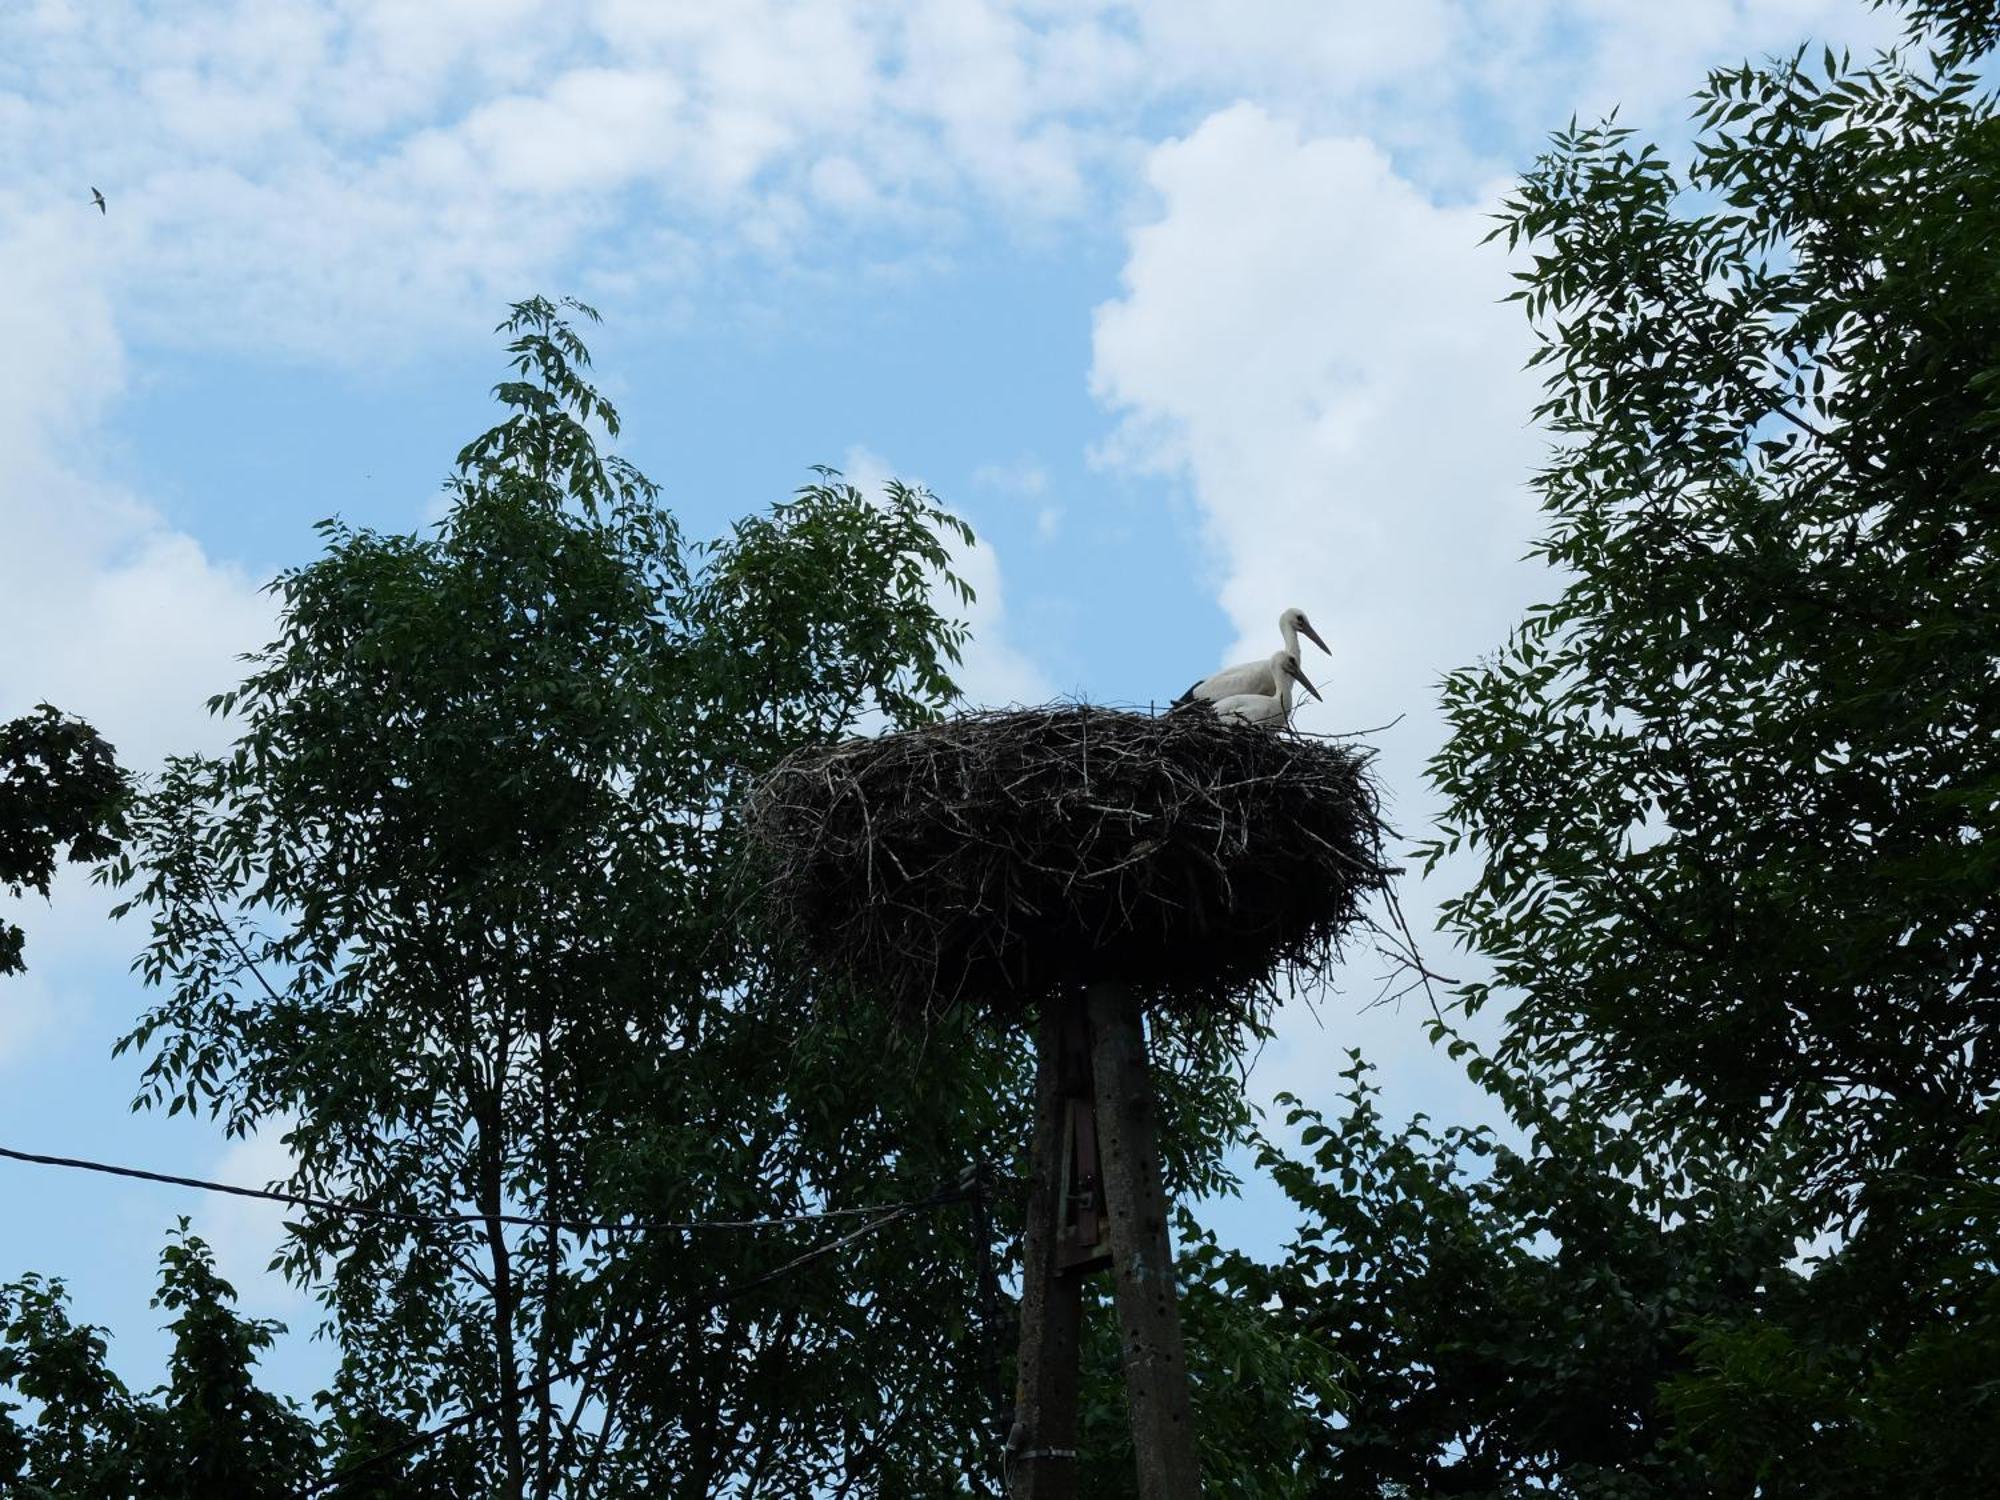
(884, 1214)
(400, 1216)
(335, 1482)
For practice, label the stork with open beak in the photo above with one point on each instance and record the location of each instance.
(1271, 709)
(1258, 678)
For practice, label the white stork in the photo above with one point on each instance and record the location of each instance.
(1273, 709)
(1258, 678)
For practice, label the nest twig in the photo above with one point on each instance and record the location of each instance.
(997, 857)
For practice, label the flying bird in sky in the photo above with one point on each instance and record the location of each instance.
(97, 198)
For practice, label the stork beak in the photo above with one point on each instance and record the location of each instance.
(1303, 680)
(1306, 630)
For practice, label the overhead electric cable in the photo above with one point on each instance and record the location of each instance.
(401, 1216)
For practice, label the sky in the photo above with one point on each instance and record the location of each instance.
(1183, 305)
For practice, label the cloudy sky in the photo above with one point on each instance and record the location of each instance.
(1181, 304)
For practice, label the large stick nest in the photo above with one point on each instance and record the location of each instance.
(998, 857)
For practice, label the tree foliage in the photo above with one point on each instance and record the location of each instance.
(464, 913)
(61, 793)
(1736, 786)
(207, 1431)
(1958, 30)
(461, 909)
(1506, 1317)
(1735, 789)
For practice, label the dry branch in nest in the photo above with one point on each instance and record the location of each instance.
(997, 857)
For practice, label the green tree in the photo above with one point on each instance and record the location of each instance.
(462, 907)
(61, 792)
(465, 908)
(1506, 1319)
(1265, 1383)
(207, 1431)
(1736, 789)
(1575, 1313)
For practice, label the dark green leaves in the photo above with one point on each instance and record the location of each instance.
(1961, 30)
(464, 909)
(61, 792)
(207, 1431)
(1735, 781)
(825, 608)
(1735, 788)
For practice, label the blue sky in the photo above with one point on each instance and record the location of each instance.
(1180, 304)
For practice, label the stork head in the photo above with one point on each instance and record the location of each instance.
(1294, 621)
(1287, 663)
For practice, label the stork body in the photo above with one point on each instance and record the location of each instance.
(1257, 678)
(1273, 710)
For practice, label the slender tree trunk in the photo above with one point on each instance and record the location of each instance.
(613, 1393)
(545, 1479)
(506, 1375)
(705, 1438)
(1142, 1252)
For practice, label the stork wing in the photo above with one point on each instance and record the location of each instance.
(1230, 682)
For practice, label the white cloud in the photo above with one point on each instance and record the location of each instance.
(589, 128)
(245, 1233)
(340, 176)
(1299, 48)
(1320, 349)
(995, 671)
(1307, 333)
(1317, 348)
(107, 611)
(345, 177)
